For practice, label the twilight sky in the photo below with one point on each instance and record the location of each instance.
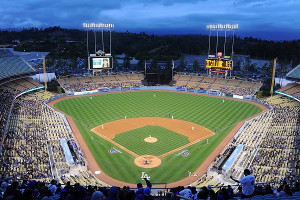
(266, 19)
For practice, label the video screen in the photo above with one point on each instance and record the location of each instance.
(218, 64)
(100, 62)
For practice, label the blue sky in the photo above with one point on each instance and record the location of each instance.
(266, 19)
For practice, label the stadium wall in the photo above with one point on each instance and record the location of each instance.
(182, 89)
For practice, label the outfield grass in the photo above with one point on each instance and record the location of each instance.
(209, 112)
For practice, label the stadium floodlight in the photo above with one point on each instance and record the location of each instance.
(222, 27)
(98, 25)
(101, 26)
(225, 28)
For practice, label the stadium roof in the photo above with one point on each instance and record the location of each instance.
(294, 74)
(11, 65)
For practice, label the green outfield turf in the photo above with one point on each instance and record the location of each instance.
(209, 112)
(167, 140)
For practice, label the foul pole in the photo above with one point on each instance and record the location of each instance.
(44, 69)
(273, 76)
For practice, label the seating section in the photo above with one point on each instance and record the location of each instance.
(271, 143)
(11, 65)
(9, 91)
(292, 89)
(83, 178)
(227, 86)
(6, 99)
(77, 84)
(32, 145)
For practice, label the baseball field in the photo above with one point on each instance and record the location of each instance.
(161, 134)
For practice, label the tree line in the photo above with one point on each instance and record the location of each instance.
(72, 43)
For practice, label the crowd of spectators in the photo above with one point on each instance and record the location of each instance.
(6, 99)
(271, 147)
(227, 86)
(25, 152)
(32, 148)
(292, 89)
(271, 143)
(78, 84)
(37, 190)
(8, 92)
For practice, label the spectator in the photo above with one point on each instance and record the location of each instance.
(281, 186)
(145, 192)
(113, 193)
(128, 194)
(247, 183)
(203, 193)
(187, 193)
(297, 187)
(77, 194)
(194, 192)
(68, 187)
(212, 195)
(3, 188)
(24, 184)
(259, 190)
(230, 191)
(268, 189)
(286, 192)
(239, 193)
(12, 192)
(97, 196)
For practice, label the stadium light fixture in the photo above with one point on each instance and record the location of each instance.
(101, 26)
(222, 27)
(225, 28)
(98, 25)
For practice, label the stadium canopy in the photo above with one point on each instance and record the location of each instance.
(294, 74)
(12, 65)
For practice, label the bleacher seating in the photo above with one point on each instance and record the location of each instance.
(33, 140)
(292, 89)
(101, 81)
(227, 86)
(32, 148)
(271, 143)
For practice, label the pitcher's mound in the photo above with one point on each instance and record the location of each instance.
(150, 139)
(147, 161)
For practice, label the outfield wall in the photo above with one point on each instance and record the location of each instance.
(182, 89)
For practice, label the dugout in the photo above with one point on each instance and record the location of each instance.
(233, 157)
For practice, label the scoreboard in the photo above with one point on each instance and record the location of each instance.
(218, 64)
(100, 62)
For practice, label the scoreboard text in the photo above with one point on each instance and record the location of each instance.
(218, 64)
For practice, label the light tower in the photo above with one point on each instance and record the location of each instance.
(99, 60)
(216, 62)
(98, 26)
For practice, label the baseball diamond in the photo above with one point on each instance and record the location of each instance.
(195, 117)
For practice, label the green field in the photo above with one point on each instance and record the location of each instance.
(209, 112)
(134, 140)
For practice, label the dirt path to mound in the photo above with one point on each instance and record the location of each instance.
(93, 165)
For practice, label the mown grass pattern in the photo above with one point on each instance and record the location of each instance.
(167, 140)
(209, 112)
